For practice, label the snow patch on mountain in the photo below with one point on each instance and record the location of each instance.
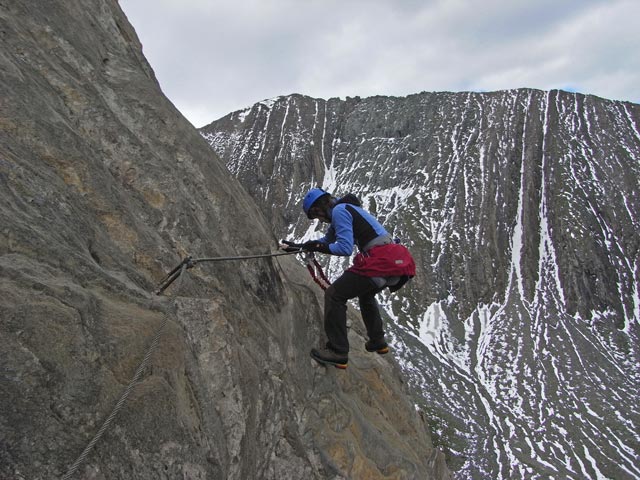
(519, 335)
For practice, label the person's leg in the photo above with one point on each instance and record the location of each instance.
(348, 286)
(371, 316)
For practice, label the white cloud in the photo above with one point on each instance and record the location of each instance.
(212, 58)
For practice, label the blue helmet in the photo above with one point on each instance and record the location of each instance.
(311, 197)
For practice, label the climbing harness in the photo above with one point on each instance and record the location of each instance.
(188, 262)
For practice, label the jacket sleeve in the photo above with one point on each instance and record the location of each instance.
(342, 225)
(329, 236)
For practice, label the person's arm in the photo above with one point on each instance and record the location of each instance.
(342, 223)
(339, 237)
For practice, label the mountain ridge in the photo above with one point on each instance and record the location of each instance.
(521, 211)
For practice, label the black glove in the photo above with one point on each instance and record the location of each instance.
(290, 246)
(316, 246)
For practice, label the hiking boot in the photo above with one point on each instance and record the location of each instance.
(327, 356)
(379, 346)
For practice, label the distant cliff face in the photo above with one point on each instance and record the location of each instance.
(104, 186)
(520, 331)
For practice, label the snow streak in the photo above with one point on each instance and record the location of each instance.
(519, 336)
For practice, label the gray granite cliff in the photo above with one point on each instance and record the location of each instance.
(104, 187)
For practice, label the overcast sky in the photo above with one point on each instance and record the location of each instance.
(213, 57)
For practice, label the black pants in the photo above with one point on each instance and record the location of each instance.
(348, 286)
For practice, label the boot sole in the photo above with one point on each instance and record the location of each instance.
(380, 351)
(341, 366)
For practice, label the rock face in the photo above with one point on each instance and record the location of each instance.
(104, 186)
(520, 331)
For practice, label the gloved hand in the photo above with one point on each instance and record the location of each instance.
(316, 246)
(288, 246)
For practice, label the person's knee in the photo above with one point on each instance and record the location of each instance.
(332, 294)
(368, 300)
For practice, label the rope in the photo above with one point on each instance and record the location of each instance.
(175, 274)
(245, 257)
(191, 262)
(123, 398)
(321, 272)
(316, 271)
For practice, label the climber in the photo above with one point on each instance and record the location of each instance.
(381, 263)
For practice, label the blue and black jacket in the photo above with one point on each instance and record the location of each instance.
(350, 224)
